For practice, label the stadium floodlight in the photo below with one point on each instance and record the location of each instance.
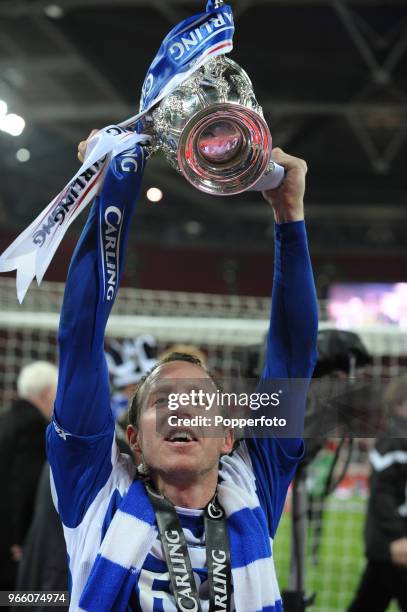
(154, 194)
(3, 108)
(12, 124)
(54, 11)
(23, 155)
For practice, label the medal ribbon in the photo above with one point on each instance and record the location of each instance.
(178, 561)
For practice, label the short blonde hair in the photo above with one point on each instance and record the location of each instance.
(188, 349)
(35, 378)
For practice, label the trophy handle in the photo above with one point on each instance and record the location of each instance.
(271, 179)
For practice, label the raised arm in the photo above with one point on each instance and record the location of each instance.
(82, 403)
(291, 342)
(80, 438)
(82, 400)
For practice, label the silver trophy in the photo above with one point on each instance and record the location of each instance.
(212, 130)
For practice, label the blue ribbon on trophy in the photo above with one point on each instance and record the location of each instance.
(185, 52)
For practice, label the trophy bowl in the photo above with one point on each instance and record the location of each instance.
(211, 129)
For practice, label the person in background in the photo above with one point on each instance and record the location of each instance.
(127, 361)
(44, 564)
(385, 575)
(22, 456)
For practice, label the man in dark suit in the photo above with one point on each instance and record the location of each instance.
(22, 455)
(44, 566)
(385, 575)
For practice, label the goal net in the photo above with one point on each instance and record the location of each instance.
(231, 331)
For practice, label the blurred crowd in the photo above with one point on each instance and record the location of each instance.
(32, 547)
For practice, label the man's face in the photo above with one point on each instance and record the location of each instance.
(168, 450)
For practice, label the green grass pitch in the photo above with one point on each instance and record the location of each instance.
(341, 558)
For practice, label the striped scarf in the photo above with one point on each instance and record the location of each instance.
(133, 531)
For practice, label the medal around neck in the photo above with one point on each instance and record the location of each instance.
(211, 129)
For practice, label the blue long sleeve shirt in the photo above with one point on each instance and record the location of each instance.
(89, 477)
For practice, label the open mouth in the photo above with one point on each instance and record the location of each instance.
(181, 436)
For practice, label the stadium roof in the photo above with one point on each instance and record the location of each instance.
(331, 77)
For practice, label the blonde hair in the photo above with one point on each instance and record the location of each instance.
(35, 378)
(188, 349)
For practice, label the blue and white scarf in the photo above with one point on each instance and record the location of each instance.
(132, 533)
(186, 48)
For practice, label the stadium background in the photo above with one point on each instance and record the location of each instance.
(332, 79)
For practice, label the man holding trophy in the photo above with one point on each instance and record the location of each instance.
(192, 528)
